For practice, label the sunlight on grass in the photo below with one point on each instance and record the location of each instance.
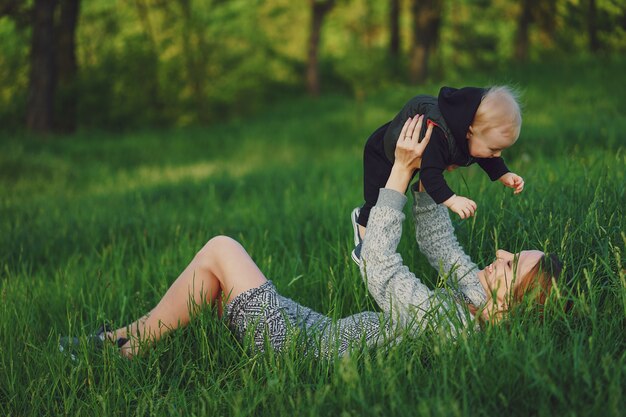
(150, 176)
(253, 158)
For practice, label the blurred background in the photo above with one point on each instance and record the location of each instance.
(131, 131)
(118, 64)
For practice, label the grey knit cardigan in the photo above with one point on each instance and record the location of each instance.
(399, 293)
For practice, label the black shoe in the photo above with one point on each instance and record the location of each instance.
(95, 341)
(356, 252)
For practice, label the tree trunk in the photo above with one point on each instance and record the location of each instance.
(418, 65)
(592, 27)
(394, 28)
(65, 120)
(319, 9)
(426, 22)
(523, 24)
(42, 83)
(194, 62)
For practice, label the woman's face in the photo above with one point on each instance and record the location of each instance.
(505, 273)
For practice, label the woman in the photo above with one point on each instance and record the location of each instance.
(222, 268)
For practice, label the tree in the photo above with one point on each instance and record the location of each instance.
(592, 27)
(524, 21)
(52, 96)
(426, 15)
(319, 10)
(42, 84)
(65, 114)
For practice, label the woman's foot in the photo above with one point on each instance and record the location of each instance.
(70, 345)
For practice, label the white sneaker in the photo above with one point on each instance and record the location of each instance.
(356, 252)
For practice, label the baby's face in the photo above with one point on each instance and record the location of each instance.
(489, 143)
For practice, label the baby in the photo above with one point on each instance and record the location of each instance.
(470, 125)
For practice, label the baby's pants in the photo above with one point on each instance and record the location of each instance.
(376, 171)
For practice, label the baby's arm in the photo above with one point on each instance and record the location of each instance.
(434, 162)
(462, 206)
(497, 170)
(494, 167)
(514, 181)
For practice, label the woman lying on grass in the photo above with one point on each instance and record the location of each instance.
(223, 270)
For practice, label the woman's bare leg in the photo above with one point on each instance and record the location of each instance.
(221, 267)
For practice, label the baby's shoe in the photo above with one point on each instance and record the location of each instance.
(356, 252)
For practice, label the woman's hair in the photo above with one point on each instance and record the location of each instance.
(535, 287)
(499, 109)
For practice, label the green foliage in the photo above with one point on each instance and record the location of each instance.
(96, 226)
(175, 63)
(477, 35)
(189, 62)
(13, 76)
(572, 24)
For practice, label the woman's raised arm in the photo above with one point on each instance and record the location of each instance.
(436, 240)
(396, 289)
(434, 231)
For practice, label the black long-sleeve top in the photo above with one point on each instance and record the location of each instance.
(453, 112)
(437, 158)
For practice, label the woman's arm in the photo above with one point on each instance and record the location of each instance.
(396, 289)
(436, 240)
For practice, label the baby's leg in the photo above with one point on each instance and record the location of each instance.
(376, 171)
(221, 267)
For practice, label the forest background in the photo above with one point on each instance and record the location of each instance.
(68, 64)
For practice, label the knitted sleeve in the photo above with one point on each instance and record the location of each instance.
(436, 240)
(396, 290)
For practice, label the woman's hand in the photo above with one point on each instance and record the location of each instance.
(408, 153)
(409, 147)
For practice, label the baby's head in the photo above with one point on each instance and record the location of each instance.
(496, 125)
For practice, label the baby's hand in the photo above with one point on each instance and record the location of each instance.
(512, 180)
(462, 206)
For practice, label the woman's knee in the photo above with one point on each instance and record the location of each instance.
(216, 248)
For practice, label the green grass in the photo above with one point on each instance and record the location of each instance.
(97, 225)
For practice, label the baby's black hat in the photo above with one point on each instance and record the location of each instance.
(458, 107)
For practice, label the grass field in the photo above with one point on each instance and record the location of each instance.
(95, 227)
